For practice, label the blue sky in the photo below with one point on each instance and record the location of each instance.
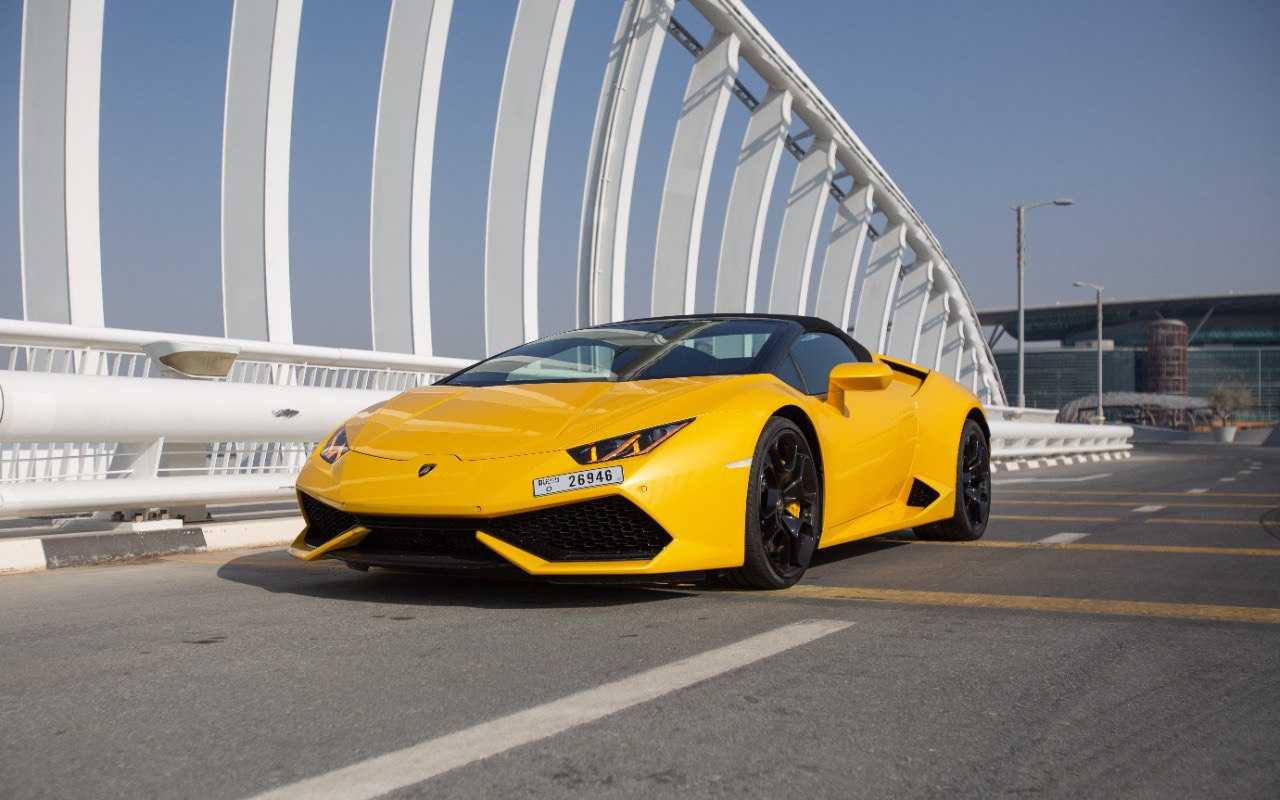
(1159, 118)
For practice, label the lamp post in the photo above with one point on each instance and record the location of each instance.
(1021, 212)
(1099, 418)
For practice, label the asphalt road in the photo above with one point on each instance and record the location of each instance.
(1140, 659)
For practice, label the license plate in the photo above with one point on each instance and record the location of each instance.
(570, 481)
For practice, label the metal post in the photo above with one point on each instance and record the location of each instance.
(1100, 418)
(1021, 212)
(1022, 332)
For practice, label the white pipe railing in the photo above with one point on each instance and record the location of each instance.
(178, 443)
(1022, 414)
(30, 499)
(89, 422)
(42, 407)
(1045, 439)
(76, 337)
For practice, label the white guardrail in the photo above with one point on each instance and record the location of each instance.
(90, 422)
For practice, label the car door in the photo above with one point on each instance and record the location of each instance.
(868, 446)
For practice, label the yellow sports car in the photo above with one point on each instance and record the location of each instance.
(727, 445)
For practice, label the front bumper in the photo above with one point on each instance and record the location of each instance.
(678, 510)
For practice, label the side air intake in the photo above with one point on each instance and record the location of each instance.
(922, 494)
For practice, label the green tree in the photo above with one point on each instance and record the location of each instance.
(1227, 400)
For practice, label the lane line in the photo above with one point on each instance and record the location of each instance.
(1171, 549)
(1226, 480)
(1062, 538)
(1100, 493)
(386, 773)
(1052, 480)
(1237, 523)
(1197, 491)
(1126, 503)
(1040, 518)
(1067, 605)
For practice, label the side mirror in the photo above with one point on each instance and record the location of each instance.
(858, 376)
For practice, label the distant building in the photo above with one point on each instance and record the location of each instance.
(1229, 340)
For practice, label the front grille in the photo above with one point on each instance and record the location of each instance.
(323, 521)
(922, 494)
(607, 529)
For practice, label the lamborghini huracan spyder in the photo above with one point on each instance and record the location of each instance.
(726, 445)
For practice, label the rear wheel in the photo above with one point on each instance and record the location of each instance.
(784, 509)
(973, 490)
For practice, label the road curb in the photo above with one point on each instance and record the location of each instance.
(1016, 464)
(59, 550)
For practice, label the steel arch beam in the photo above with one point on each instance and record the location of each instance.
(257, 126)
(615, 141)
(59, 94)
(848, 237)
(748, 207)
(515, 172)
(400, 191)
(767, 57)
(934, 327)
(793, 261)
(908, 311)
(879, 287)
(684, 193)
(968, 376)
(953, 346)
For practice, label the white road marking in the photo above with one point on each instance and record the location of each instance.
(386, 773)
(1244, 472)
(1062, 538)
(1225, 480)
(1147, 509)
(1196, 491)
(1080, 479)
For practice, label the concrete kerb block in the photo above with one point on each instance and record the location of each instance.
(100, 547)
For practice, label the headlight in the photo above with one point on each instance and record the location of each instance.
(336, 447)
(626, 445)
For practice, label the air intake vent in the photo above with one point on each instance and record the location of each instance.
(922, 494)
(323, 521)
(607, 529)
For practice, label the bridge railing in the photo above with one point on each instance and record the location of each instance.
(1012, 440)
(1022, 414)
(89, 421)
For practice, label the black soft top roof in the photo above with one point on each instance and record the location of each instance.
(810, 324)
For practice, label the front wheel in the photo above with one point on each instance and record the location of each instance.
(973, 490)
(784, 509)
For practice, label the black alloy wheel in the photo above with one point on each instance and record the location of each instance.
(973, 490)
(784, 509)
(975, 478)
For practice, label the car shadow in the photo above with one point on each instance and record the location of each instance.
(279, 573)
(862, 547)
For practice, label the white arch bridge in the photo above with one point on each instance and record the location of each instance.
(81, 427)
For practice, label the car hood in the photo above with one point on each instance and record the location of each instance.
(475, 423)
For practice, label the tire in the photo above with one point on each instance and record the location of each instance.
(784, 510)
(973, 491)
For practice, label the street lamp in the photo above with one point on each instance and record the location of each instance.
(1085, 285)
(1021, 212)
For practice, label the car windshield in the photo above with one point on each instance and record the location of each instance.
(626, 351)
